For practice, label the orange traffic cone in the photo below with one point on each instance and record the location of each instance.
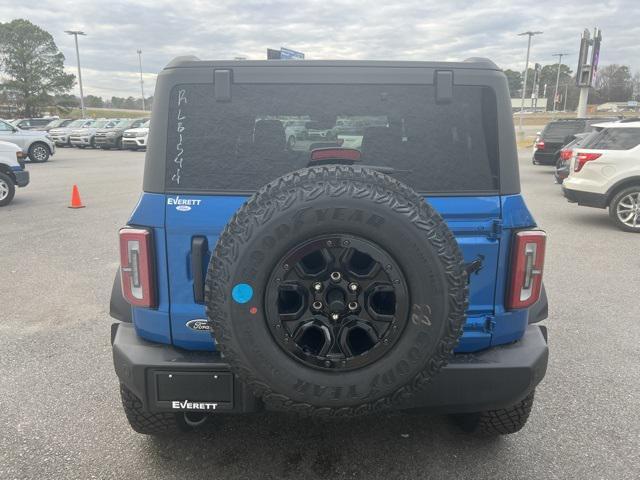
(75, 198)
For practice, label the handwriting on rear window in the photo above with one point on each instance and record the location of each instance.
(180, 128)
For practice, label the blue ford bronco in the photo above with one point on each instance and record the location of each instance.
(330, 239)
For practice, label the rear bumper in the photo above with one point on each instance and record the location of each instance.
(161, 375)
(22, 178)
(587, 199)
(545, 158)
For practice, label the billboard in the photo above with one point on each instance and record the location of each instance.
(588, 64)
(595, 55)
(288, 54)
(273, 54)
(284, 54)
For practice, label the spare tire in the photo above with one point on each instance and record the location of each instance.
(336, 291)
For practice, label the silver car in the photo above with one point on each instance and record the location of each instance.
(85, 136)
(60, 135)
(37, 145)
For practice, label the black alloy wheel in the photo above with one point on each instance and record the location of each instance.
(337, 302)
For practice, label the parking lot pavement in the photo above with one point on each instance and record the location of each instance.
(60, 412)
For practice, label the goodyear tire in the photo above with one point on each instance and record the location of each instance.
(336, 291)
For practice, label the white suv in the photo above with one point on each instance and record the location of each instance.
(605, 172)
(12, 172)
(136, 138)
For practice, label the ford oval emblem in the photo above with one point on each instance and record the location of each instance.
(198, 325)
(183, 208)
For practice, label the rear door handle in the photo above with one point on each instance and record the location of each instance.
(199, 254)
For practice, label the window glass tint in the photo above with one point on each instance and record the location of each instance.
(580, 141)
(614, 139)
(560, 130)
(266, 131)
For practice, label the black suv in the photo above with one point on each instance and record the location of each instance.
(391, 265)
(557, 134)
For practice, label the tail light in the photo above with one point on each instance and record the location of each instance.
(352, 154)
(539, 145)
(583, 158)
(21, 157)
(136, 267)
(527, 262)
(565, 154)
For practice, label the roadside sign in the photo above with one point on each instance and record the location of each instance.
(288, 54)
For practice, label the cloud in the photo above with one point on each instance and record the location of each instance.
(327, 29)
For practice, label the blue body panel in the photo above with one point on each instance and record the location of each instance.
(154, 325)
(482, 226)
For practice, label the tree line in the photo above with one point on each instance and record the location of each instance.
(33, 76)
(614, 83)
(93, 101)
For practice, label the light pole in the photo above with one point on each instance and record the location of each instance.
(555, 94)
(141, 81)
(526, 71)
(75, 34)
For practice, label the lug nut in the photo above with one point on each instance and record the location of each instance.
(335, 316)
(353, 306)
(317, 286)
(335, 276)
(353, 287)
(317, 305)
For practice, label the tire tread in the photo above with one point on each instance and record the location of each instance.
(334, 181)
(143, 421)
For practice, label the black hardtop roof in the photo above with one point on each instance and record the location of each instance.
(195, 62)
(443, 76)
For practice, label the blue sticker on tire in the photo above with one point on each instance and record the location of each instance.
(242, 293)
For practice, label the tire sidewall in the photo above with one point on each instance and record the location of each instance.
(12, 189)
(613, 208)
(32, 149)
(427, 337)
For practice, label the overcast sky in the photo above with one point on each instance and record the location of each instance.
(326, 29)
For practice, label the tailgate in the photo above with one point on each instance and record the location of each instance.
(474, 221)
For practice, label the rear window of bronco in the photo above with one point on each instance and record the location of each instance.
(268, 130)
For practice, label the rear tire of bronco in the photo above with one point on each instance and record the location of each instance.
(336, 291)
(149, 423)
(492, 423)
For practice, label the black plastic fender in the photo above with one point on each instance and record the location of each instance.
(539, 310)
(119, 308)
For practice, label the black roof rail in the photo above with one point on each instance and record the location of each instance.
(486, 61)
(181, 59)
